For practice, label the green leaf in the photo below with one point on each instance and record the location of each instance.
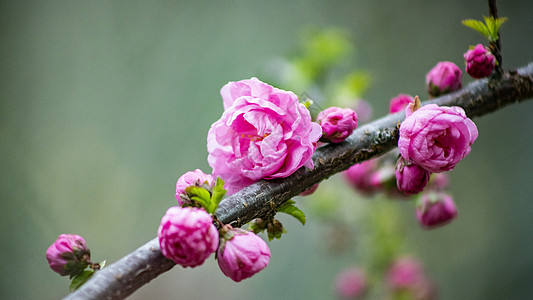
(79, 280)
(218, 193)
(200, 196)
(494, 26)
(477, 26)
(290, 209)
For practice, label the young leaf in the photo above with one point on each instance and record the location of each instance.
(200, 196)
(477, 26)
(218, 193)
(290, 209)
(79, 280)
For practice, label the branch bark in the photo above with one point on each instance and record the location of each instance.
(481, 97)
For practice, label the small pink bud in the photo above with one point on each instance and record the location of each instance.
(405, 273)
(351, 283)
(241, 254)
(410, 178)
(337, 124)
(444, 78)
(310, 190)
(360, 176)
(480, 62)
(400, 102)
(68, 255)
(196, 178)
(187, 235)
(435, 209)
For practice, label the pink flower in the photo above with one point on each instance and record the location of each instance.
(410, 178)
(444, 78)
(337, 124)
(435, 209)
(242, 254)
(360, 176)
(479, 62)
(400, 102)
(196, 178)
(437, 137)
(187, 236)
(68, 255)
(351, 283)
(264, 133)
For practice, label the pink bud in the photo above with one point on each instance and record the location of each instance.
(360, 176)
(187, 236)
(407, 275)
(351, 283)
(479, 62)
(410, 178)
(242, 254)
(444, 78)
(400, 102)
(435, 209)
(196, 178)
(68, 255)
(337, 124)
(310, 190)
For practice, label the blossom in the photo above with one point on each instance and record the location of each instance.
(480, 62)
(337, 124)
(437, 137)
(264, 133)
(242, 254)
(187, 235)
(399, 102)
(68, 255)
(444, 78)
(435, 209)
(351, 283)
(411, 178)
(196, 178)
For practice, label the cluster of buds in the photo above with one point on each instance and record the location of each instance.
(188, 236)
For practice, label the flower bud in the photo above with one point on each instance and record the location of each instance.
(310, 190)
(68, 255)
(444, 78)
(407, 275)
(410, 178)
(480, 62)
(435, 209)
(360, 176)
(351, 283)
(187, 235)
(241, 254)
(400, 102)
(197, 178)
(337, 124)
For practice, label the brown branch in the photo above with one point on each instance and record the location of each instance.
(496, 46)
(142, 265)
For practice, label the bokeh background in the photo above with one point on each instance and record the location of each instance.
(104, 104)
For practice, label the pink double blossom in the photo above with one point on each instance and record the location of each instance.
(187, 235)
(195, 178)
(264, 133)
(437, 137)
(337, 124)
(242, 254)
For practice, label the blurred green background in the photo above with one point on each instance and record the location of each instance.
(104, 104)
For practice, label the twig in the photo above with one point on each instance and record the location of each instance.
(496, 46)
(125, 276)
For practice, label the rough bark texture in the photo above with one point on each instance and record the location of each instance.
(125, 276)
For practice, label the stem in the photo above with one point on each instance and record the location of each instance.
(260, 199)
(496, 46)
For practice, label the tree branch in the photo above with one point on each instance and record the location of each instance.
(481, 97)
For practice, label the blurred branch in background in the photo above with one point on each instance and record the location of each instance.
(479, 98)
